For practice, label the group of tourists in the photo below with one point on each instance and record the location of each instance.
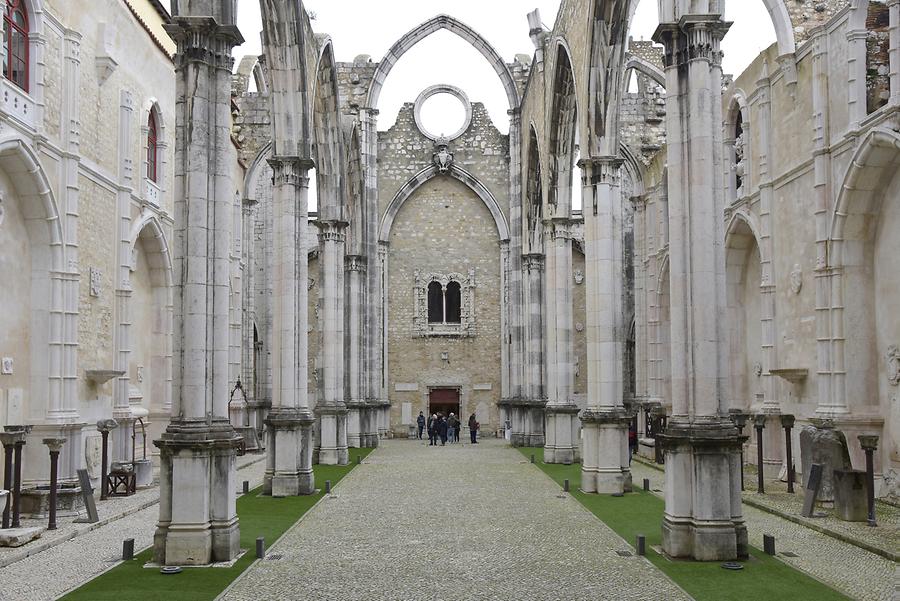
(445, 429)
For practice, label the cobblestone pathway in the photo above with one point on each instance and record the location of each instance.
(845, 567)
(455, 522)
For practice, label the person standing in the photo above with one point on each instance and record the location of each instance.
(432, 424)
(452, 426)
(420, 421)
(473, 429)
(442, 429)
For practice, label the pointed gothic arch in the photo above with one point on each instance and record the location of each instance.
(422, 177)
(534, 195)
(328, 153)
(563, 131)
(422, 31)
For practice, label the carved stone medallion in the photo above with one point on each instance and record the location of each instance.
(796, 281)
(893, 365)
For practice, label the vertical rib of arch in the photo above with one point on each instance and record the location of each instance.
(327, 137)
(424, 30)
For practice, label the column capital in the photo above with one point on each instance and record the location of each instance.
(355, 263)
(203, 39)
(54, 444)
(291, 170)
(600, 170)
(331, 230)
(533, 261)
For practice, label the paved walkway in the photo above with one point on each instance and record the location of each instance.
(455, 522)
(69, 564)
(855, 572)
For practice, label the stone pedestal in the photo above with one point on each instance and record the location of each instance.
(354, 424)
(850, 503)
(561, 434)
(289, 453)
(333, 435)
(199, 525)
(703, 517)
(821, 443)
(526, 418)
(604, 466)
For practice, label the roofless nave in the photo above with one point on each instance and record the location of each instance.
(732, 251)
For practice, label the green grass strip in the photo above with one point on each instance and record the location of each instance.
(763, 576)
(260, 516)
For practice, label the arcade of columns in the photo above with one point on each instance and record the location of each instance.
(198, 523)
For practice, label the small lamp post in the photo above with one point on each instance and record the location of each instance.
(739, 418)
(759, 422)
(787, 422)
(54, 444)
(105, 426)
(869, 443)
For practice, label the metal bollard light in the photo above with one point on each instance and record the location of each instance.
(566, 485)
(328, 487)
(640, 544)
(128, 549)
(647, 484)
(358, 459)
(532, 458)
(769, 544)
(246, 487)
(260, 547)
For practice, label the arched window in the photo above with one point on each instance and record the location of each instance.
(15, 42)
(435, 303)
(152, 148)
(454, 303)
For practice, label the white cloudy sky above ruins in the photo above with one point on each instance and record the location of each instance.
(366, 27)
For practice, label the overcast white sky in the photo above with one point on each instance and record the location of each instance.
(371, 27)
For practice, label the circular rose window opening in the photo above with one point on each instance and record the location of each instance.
(443, 112)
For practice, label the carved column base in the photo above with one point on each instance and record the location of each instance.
(605, 466)
(561, 443)
(198, 523)
(703, 518)
(289, 453)
(333, 435)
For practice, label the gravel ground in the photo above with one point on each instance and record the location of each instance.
(455, 522)
(845, 567)
(66, 566)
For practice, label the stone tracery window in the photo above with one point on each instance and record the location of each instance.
(15, 43)
(152, 148)
(444, 305)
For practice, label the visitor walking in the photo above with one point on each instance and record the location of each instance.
(452, 428)
(442, 429)
(420, 421)
(473, 429)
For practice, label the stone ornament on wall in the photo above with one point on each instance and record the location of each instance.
(96, 284)
(757, 369)
(466, 326)
(579, 276)
(893, 365)
(2, 208)
(443, 158)
(796, 281)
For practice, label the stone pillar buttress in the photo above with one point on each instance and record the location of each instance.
(528, 417)
(198, 521)
(605, 422)
(289, 448)
(561, 443)
(355, 281)
(332, 410)
(702, 446)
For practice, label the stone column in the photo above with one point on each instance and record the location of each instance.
(605, 420)
(198, 523)
(641, 388)
(332, 411)
(774, 442)
(561, 443)
(702, 446)
(830, 401)
(289, 422)
(894, 52)
(355, 266)
(530, 416)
